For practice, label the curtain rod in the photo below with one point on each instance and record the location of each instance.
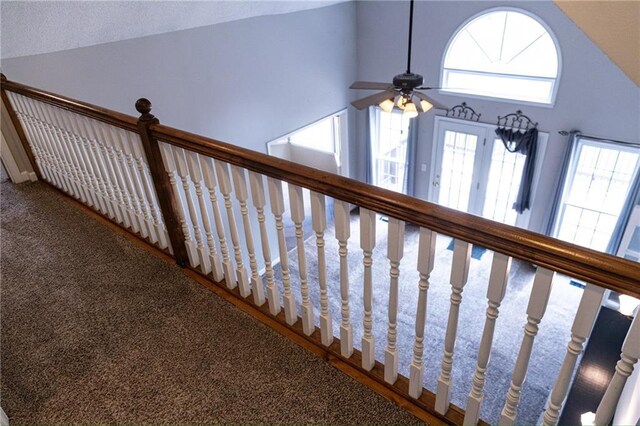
(596, 138)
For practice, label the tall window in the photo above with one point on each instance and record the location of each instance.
(389, 133)
(503, 54)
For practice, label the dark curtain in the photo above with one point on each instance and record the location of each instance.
(524, 143)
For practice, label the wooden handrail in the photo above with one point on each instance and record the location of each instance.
(101, 114)
(601, 269)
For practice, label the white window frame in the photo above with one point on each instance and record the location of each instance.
(555, 85)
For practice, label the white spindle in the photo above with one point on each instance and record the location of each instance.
(97, 175)
(196, 177)
(276, 200)
(426, 255)
(258, 198)
(343, 231)
(39, 134)
(41, 156)
(624, 368)
(319, 222)
(170, 166)
(78, 161)
(114, 181)
(395, 251)
(240, 189)
(498, 279)
(459, 275)
(296, 202)
(56, 136)
(113, 203)
(134, 147)
(122, 144)
(112, 136)
(183, 172)
(222, 172)
(582, 325)
(535, 311)
(208, 172)
(367, 244)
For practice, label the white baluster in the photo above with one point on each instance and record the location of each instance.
(395, 251)
(54, 135)
(498, 278)
(64, 133)
(112, 141)
(459, 275)
(240, 188)
(277, 208)
(319, 219)
(367, 244)
(61, 180)
(113, 175)
(107, 192)
(535, 311)
(426, 255)
(624, 368)
(222, 172)
(41, 156)
(170, 166)
(258, 198)
(582, 325)
(122, 143)
(135, 149)
(343, 231)
(297, 216)
(206, 165)
(196, 177)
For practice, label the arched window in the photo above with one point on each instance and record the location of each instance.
(503, 54)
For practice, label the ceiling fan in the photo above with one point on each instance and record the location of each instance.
(402, 91)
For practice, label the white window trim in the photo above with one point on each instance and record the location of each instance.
(554, 93)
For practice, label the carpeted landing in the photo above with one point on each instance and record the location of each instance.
(97, 330)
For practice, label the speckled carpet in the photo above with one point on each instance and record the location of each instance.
(96, 330)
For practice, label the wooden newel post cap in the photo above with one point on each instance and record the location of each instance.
(143, 106)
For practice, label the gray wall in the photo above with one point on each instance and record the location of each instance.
(594, 95)
(244, 82)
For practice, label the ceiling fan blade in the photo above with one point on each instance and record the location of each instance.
(370, 85)
(374, 99)
(435, 104)
(428, 88)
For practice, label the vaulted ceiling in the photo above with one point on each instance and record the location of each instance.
(614, 26)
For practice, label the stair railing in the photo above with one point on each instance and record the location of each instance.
(207, 203)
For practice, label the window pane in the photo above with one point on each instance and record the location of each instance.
(457, 169)
(499, 86)
(317, 136)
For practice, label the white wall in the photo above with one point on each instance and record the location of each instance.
(245, 82)
(594, 95)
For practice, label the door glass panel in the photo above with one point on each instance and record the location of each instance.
(458, 161)
(595, 193)
(505, 174)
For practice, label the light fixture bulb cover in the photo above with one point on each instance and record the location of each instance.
(410, 110)
(387, 105)
(401, 102)
(426, 106)
(588, 418)
(628, 304)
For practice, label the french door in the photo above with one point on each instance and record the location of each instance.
(474, 173)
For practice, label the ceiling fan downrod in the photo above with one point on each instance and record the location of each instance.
(410, 34)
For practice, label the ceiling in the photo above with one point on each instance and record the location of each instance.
(614, 26)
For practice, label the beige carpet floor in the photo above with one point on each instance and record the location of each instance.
(96, 330)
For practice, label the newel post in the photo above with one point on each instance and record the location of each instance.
(166, 197)
(19, 130)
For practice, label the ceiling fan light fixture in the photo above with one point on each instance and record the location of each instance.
(410, 110)
(387, 105)
(426, 106)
